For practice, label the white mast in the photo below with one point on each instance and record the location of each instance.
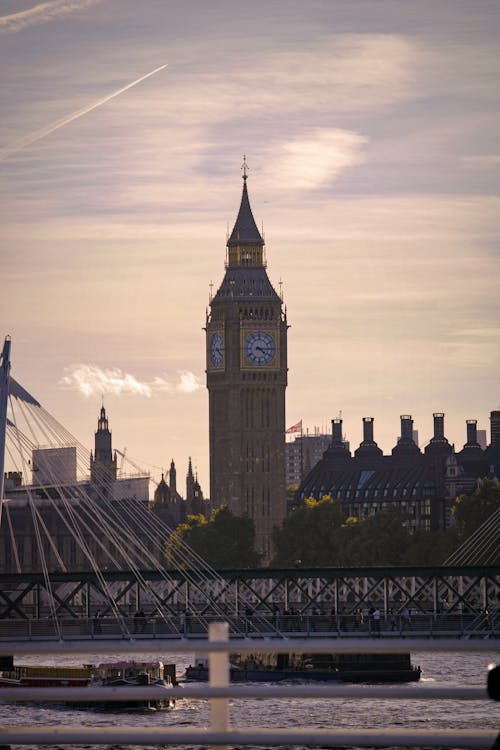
(4, 396)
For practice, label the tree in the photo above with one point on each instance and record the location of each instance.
(471, 511)
(224, 541)
(307, 536)
(430, 547)
(318, 534)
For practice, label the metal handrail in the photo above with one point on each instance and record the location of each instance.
(474, 626)
(219, 691)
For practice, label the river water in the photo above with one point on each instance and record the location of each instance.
(455, 669)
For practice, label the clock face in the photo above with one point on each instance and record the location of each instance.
(217, 349)
(260, 348)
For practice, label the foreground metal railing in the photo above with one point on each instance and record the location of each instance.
(471, 624)
(219, 691)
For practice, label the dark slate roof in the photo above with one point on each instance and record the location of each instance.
(374, 477)
(245, 229)
(246, 284)
(407, 474)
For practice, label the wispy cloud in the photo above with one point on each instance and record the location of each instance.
(318, 158)
(482, 160)
(91, 380)
(41, 13)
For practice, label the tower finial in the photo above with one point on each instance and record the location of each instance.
(244, 167)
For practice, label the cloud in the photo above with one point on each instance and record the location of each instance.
(188, 382)
(482, 160)
(317, 159)
(91, 380)
(41, 13)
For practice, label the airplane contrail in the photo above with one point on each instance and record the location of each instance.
(37, 135)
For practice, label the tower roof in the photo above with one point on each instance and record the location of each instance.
(245, 230)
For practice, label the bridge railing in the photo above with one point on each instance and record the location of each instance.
(220, 732)
(474, 625)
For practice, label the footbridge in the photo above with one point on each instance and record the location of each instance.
(416, 602)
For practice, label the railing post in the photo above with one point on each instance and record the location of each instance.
(219, 677)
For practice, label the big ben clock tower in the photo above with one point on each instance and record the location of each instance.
(246, 380)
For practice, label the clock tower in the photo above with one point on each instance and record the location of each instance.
(246, 379)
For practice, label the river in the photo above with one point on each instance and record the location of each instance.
(451, 669)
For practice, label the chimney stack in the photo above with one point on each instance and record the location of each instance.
(472, 432)
(406, 445)
(368, 448)
(495, 427)
(438, 426)
(406, 427)
(438, 445)
(337, 431)
(367, 429)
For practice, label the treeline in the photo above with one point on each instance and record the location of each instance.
(319, 534)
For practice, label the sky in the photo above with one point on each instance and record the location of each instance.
(372, 136)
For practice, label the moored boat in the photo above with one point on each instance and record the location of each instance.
(120, 674)
(136, 674)
(21, 675)
(277, 667)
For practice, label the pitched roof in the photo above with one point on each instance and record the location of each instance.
(245, 229)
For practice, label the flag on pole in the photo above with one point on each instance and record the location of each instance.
(295, 428)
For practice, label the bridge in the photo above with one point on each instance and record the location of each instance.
(430, 602)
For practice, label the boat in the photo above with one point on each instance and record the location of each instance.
(29, 676)
(108, 674)
(135, 674)
(277, 667)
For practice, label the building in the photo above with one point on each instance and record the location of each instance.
(302, 454)
(195, 502)
(51, 464)
(423, 484)
(52, 521)
(167, 503)
(246, 354)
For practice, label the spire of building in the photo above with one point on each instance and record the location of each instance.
(102, 424)
(245, 244)
(189, 482)
(173, 478)
(103, 465)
